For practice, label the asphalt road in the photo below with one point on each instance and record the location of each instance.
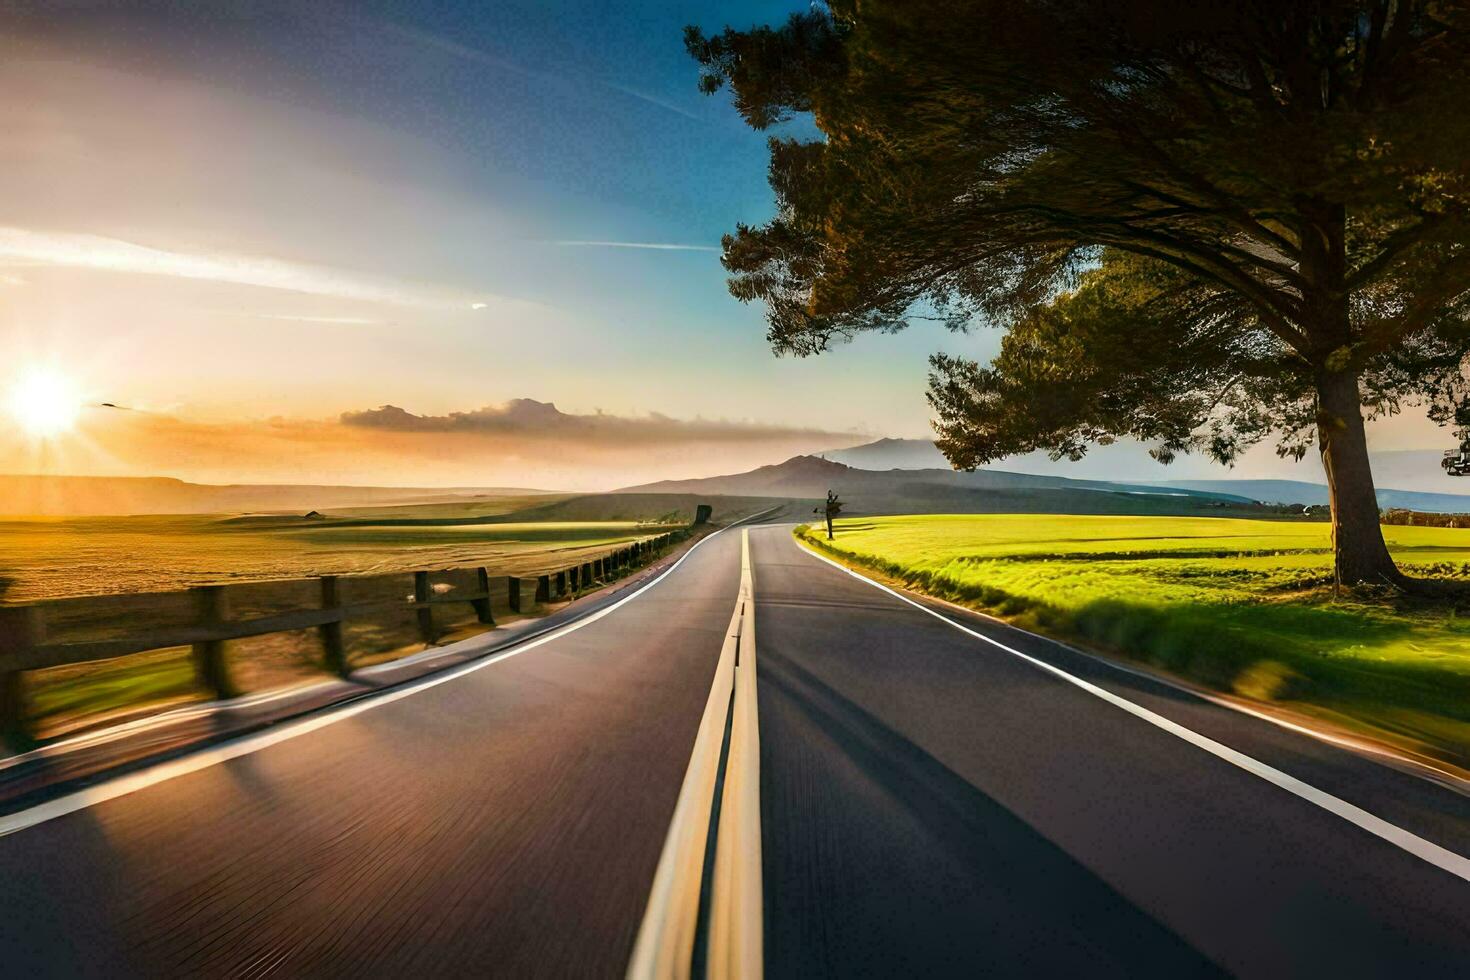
(931, 805)
(504, 823)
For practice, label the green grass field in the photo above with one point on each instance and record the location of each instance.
(1241, 606)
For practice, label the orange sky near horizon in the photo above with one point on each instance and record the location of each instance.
(571, 455)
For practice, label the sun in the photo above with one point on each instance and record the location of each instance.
(45, 403)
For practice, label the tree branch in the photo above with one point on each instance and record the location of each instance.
(1393, 246)
(1243, 220)
(1273, 320)
(1385, 333)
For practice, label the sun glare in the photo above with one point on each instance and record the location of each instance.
(45, 403)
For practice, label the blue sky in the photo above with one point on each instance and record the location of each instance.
(233, 212)
(460, 142)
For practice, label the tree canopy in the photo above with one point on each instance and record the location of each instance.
(1201, 224)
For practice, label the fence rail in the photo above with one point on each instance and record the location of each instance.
(24, 645)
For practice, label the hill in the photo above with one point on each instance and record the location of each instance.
(656, 508)
(118, 496)
(945, 491)
(1407, 466)
(892, 454)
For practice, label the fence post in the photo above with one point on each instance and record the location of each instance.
(543, 588)
(482, 606)
(22, 629)
(513, 593)
(421, 596)
(209, 655)
(334, 651)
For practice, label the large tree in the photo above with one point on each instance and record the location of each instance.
(1200, 224)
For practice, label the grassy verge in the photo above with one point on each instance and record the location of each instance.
(1240, 606)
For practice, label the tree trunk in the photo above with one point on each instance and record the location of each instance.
(1359, 554)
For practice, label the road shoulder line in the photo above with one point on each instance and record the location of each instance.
(1425, 850)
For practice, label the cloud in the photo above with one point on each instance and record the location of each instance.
(668, 246)
(293, 317)
(303, 318)
(529, 419)
(650, 99)
(476, 55)
(86, 251)
(521, 443)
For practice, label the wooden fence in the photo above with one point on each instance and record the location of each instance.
(208, 624)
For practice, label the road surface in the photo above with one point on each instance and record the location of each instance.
(930, 804)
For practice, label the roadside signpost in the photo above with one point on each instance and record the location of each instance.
(831, 510)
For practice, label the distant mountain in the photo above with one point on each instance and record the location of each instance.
(892, 454)
(919, 455)
(800, 476)
(812, 476)
(940, 491)
(1300, 492)
(106, 496)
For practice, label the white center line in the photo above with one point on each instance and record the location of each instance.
(664, 949)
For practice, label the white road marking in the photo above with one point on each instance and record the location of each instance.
(1420, 768)
(1440, 857)
(205, 758)
(664, 948)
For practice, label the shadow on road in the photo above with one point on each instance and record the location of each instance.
(939, 878)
